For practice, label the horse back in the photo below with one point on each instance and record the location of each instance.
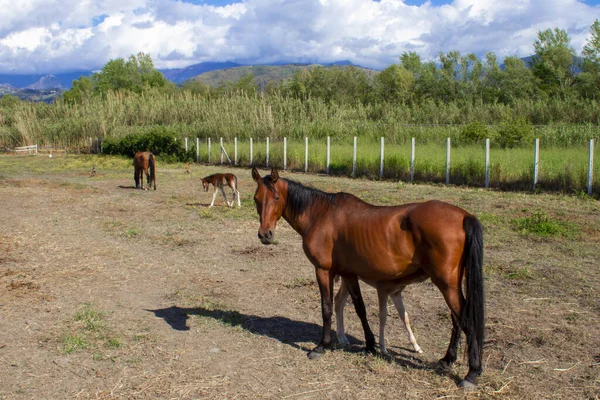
(386, 242)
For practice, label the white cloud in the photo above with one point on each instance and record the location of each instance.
(60, 35)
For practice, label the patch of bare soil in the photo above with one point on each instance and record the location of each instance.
(108, 293)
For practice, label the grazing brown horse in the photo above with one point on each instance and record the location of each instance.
(219, 181)
(394, 245)
(144, 163)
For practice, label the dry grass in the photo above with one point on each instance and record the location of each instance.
(201, 310)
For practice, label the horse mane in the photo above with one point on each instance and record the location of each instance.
(300, 197)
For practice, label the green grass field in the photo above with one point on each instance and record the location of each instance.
(559, 169)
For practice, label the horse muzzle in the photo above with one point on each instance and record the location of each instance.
(267, 238)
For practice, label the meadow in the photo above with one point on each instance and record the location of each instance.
(110, 292)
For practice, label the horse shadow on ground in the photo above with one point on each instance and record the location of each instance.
(284, 330)
(126, 187)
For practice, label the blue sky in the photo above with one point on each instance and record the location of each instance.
(41, 36)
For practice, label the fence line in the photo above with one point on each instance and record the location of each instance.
(96, 145)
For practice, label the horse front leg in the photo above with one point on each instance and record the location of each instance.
(325, 281)
(361, 311)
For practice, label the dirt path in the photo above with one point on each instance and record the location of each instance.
(109, 292)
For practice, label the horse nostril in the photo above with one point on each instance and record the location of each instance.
(270, 234)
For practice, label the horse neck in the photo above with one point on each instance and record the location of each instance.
(300, 221)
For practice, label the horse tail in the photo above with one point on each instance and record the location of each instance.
(473, 312)
(152, 165)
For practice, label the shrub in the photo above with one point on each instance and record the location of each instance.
(512, 133)
(475, 132)
(539, 223)
(157, 140)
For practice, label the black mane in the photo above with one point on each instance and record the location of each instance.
(300, 197)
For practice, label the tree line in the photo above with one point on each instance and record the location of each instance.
(553, 73)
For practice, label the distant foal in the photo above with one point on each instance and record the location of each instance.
(383, 292)
(219, 181)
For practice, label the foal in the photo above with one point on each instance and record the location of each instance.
(219, 181)
(383, 292)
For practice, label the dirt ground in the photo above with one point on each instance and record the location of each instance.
(107, 292)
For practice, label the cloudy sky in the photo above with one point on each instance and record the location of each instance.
(49, 36)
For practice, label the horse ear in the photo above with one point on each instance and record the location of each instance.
(255, 174)
(274, 175)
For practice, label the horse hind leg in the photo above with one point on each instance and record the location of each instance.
(136, 177)
(325, 281)
(339, 304)
(456, 302)
(225, 197)
(397, 299)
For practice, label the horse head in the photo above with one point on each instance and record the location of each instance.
(270, 203)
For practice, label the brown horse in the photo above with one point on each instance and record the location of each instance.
(219, 181)
(394, 245)
(144, 163)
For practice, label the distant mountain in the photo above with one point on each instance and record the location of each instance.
(266, 73)
(183, 74)
(23, 81)
(46, 82)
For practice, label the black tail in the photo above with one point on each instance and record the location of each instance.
(473, 313)
(152, 165)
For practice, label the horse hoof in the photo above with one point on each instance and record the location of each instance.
(467, 385)
(343, 341)
(418, 350)
(371, 351)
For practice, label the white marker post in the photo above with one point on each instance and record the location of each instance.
(306, 154)
(284, 153)
(354, 159)
(412, 160)
(487, 163)
(536, 162)
(381, 159)
(447, 161)
(328, 155)
(209, 150)
(197, 150)
(267, 152)
(251, 155)
(235, 158)
(590, 168)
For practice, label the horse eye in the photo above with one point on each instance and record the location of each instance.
(276, 198)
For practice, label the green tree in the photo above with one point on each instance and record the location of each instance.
(395, 83)
(81, 90)
(137, 74)
(553, 62)
(588, 82)
(516, 81)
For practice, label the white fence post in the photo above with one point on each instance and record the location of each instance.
(267, 152)
(328, 155)
(536, 161)
(487, 163)
(284, 153)
(221, 149)
(590, 168)
(251, 154)
(209, 150)
(235, 159)
(412, 160)
(447, 161)
(186, 145)
(354, 159)
(381, 159)
(306, 154)
(91, 144)
(197, 150)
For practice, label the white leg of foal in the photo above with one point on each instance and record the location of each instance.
(339, 304)
(212, 203)
(238, 197)
(397, 299)
(383, 299)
